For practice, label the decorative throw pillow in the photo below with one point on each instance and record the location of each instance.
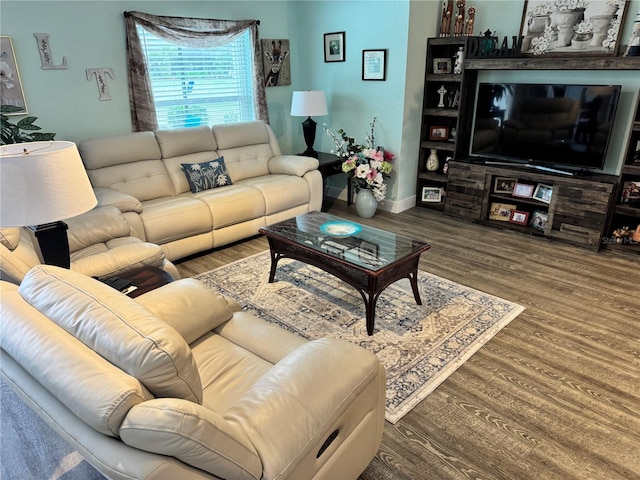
(207, 175)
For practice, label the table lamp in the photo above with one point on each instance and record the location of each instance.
(42, 183)
(305, 104)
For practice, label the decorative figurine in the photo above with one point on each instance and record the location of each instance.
(432, 162)
(459, 23)
(458, 60)
(441, 91)
(445, 23)
(470, 21)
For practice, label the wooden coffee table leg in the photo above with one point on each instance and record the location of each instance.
(274, 263)
(413, 278)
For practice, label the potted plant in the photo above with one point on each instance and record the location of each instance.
(22, 131)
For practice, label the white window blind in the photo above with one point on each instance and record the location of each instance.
(200, 86)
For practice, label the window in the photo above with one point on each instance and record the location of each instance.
(200, 86)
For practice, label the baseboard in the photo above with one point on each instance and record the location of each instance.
(393, 206)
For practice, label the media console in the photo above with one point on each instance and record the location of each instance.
(572, 209)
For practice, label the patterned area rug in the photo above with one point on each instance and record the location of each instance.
(420, 346)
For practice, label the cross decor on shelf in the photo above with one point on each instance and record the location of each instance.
(442, 91)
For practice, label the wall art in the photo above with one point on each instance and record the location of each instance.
(374, 65)
(46, 58)
(334, 47)
(10, 83)
(101, 80)
(276, 63)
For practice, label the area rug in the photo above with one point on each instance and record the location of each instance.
(419, 345)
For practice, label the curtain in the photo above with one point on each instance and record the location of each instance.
(190, 32)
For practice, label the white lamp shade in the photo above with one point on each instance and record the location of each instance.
(308, 103)
(42, 182)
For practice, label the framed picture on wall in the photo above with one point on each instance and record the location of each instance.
(11, 86)
(374, 65)
(334, 47)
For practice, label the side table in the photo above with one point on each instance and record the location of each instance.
(330, 165)
(147, 279)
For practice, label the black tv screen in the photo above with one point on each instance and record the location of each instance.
(544, 124)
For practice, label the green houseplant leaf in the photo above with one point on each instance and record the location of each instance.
(23, 131)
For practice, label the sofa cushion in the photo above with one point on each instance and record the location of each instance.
(113, 259)
(183, 141)
(207, 175)
(117, 150)
(122, 201)
(193, 434)
(172, 218)
(280, 192)
(97, 391)
(116, 327)
(10, 237)
(233, 205)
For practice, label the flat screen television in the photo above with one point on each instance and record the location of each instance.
(557, 127)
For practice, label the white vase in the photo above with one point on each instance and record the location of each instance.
(566, 20)
(366, 203)
(432, 162)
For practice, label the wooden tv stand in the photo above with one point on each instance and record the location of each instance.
(576, 213)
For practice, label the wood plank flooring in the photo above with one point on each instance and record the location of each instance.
(555, 395)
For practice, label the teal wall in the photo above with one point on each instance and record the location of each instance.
(91, 34)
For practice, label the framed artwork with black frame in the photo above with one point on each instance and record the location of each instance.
(334, 47)
(374, 65)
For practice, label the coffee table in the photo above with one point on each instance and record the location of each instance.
(367, 258)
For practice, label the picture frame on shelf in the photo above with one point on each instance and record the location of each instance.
(522, 190)
(539, 219)
(631, 193)
(441, 65)
(13, 96)
(590, 28)
(374, 65)
(504, 185)
(438, 133)
(519, 217)
(431, 194)
(501, 212)
(334, 47)
(543, 193)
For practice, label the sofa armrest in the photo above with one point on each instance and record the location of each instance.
(96, 226)
(293, 164)
(123, 201)
(291, 411)
(118, 261)
(189, 306)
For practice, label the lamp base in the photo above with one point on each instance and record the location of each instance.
(54, 243)
(309, 131)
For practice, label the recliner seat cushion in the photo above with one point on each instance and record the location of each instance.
(172, 218)
(118, 328)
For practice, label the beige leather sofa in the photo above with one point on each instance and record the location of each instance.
(101, 245)
(142, 174)
(179, 383)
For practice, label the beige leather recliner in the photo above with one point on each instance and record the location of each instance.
(101, 245)
(180, 383)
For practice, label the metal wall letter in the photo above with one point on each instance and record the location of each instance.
(100, 74)
(44, 49)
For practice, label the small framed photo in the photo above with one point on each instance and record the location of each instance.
(519, 217)
(334, 47)
(522, 190)
(441, 65)
(539, 219)
(438, 133)
(431, 194)
(374, 65)
(504, 185)
(631, 192)
(501, 211)
(543, 193)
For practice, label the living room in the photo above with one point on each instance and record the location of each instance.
(91, 34)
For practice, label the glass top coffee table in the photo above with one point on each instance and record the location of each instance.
(369, 259)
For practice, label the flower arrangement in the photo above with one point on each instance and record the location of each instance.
(367, 164)
(585, 26)
(570, 5)
(547, 41)
(541, 9)
(609, 43)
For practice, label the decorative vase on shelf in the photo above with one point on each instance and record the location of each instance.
(581, 41)
(432, 162)
(366, 203)
(538, 23)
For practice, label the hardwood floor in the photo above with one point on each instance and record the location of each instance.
(555, 395)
